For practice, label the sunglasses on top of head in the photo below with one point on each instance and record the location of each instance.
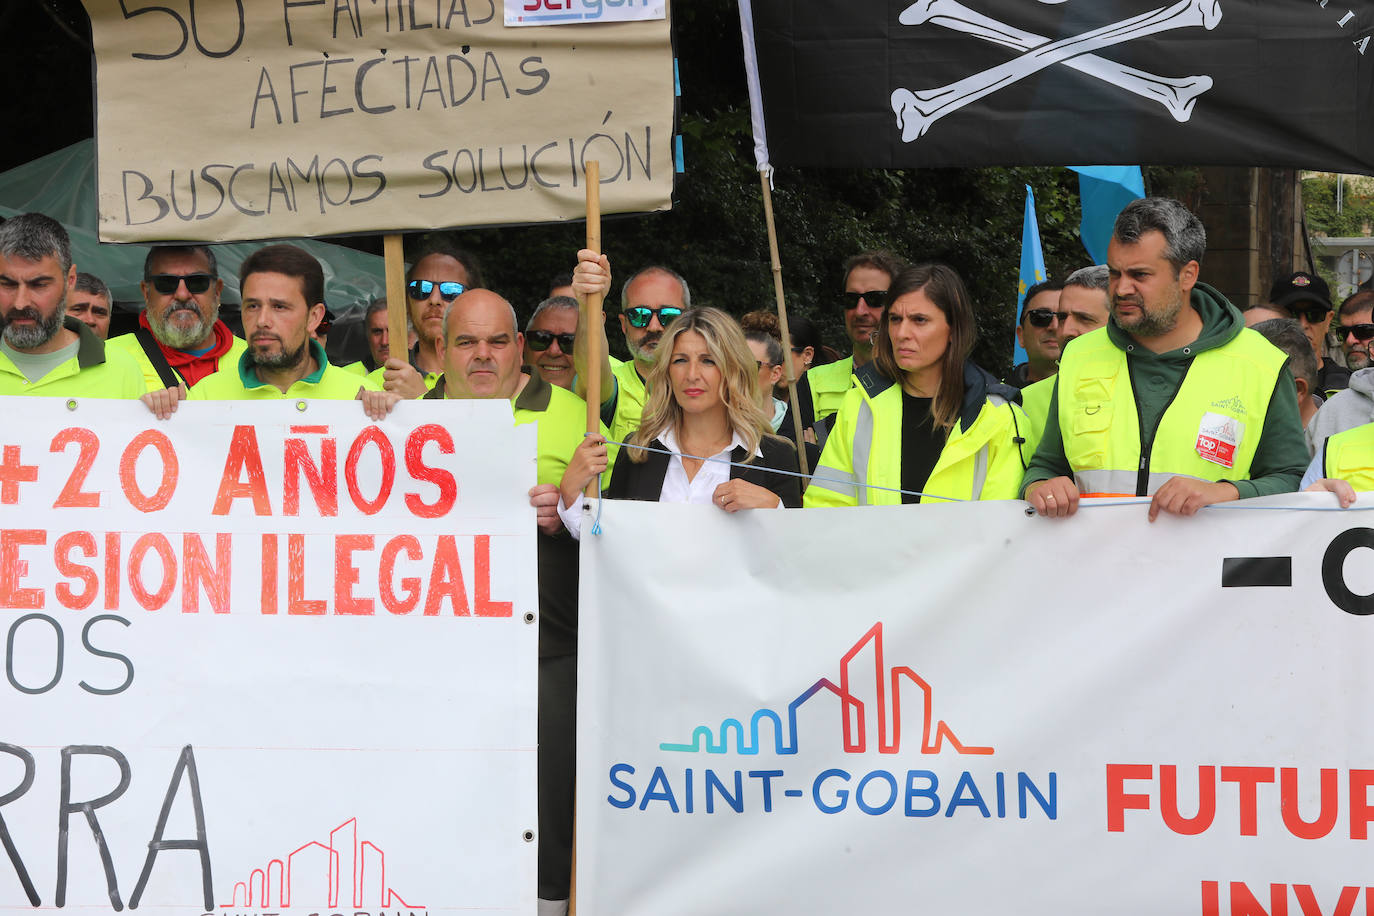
(873, 298)
(421, 289)
(166, 284)
(539, 341)
(641, 315)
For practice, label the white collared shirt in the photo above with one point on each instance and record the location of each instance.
(700, 490)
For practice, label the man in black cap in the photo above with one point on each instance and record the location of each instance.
(1307, 298)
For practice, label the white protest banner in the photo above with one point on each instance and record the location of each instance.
(569, 12)
(267, 657)
(306, 118)
(960, 709)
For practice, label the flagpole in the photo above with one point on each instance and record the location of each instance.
(751, 74)
(782, 322)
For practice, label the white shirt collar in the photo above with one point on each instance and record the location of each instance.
(669, 439)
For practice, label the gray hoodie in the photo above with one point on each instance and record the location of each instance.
(1346, 409)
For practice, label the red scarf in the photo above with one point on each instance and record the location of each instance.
(194, 368)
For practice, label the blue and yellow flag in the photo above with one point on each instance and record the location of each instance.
(1032, 267)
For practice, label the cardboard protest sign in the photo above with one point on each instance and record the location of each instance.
(269, 119)
(982, 713)
(267, 658)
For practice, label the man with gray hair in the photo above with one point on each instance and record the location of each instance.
(1083, 307)
(550, 336)
(1289, 335)
(44, 351)
(91, 303)
(649, 301)
(180, 339)
(1175, 398)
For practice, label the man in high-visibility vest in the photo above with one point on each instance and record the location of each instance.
(180, 340)
(481, 348)
(1175, 398)
(44, 352)
(821, 390)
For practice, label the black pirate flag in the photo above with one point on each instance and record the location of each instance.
(1050, 82)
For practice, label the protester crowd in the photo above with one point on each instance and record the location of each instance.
(1140, 380)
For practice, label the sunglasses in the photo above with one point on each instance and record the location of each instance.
(874, 298)
(1362, 332)
(166, 284)
(539, 340)
(1043, 318)
(421, 289)
(1313, 314)
(641, 315)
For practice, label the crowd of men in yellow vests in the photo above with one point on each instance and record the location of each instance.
(1141, 380)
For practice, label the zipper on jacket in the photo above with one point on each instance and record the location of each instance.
(1142, 479)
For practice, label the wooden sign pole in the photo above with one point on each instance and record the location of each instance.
(396, 305)
(782, 321)
(591, 309)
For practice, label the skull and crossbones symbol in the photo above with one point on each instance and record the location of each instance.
(917, 110)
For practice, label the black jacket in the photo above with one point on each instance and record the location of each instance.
(630, 480)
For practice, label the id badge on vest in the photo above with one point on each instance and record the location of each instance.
(1218, 437)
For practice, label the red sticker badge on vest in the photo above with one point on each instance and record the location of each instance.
(1218, 437)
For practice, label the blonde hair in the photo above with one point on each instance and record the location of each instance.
(739, 381)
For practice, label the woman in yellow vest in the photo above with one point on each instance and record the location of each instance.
(1344, 465)
(922, 420)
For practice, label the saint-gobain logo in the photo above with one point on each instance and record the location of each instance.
(892, 685)
(555, 12)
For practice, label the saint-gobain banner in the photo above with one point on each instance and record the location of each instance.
(1011, 82)
(266, 658)
(960, 709)
(307, 118)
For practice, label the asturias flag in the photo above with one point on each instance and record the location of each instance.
(1032, 265)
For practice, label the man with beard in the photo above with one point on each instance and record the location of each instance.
(649, 301)
(432, 284)
(1175, 398)
(481, 351)
(283, 302)
(180, 339)
(1354, 406)
(550, 337)
(44, 352)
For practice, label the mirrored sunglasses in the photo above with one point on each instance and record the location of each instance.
(422, 289)
(641, 315)
(166, 284)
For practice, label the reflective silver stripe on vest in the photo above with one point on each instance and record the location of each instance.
(1123, 482)
(980, 471)
(836, 482)
(863, 447)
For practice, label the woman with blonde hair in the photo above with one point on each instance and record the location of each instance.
(702, 411)
(922, 419)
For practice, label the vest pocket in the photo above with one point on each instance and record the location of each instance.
(1089, 427)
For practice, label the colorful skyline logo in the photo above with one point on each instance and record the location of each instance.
(344, 872)
(889, 684)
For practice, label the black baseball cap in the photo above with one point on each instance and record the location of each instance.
(1300, 287)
